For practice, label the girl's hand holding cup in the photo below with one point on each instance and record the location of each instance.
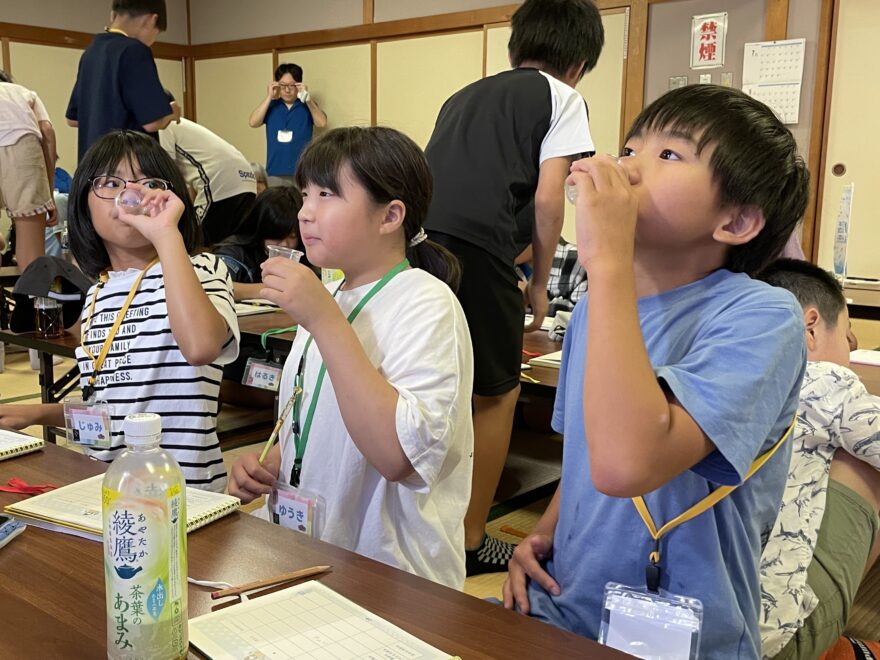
(153, 213)
(296, 290)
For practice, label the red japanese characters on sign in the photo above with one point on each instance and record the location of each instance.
(707, 40)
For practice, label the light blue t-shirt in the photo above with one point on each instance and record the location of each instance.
(731, 349)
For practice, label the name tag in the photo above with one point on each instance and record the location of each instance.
(87, 423)
(262, 374)
(285, 136)
(651, 625)
(296, 509)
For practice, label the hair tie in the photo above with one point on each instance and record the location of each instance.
(418, 238)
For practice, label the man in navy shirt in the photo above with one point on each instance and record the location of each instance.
(290, 114)
(117, 85)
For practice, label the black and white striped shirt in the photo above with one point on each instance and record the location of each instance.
(146, 372)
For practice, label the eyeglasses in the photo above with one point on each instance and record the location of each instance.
(108, 187)
(289, 88)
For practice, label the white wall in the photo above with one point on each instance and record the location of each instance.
(392, 10)
(84, 16)
(229, 20)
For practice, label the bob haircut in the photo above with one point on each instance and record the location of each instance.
(389, 166)
(141, 151)
(559, 34)
(755, 160)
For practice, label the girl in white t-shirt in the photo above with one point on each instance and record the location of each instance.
(380, 436)
(168, 317)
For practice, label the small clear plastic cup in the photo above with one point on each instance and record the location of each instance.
(286, 252)
(131, 202)
(571, 193)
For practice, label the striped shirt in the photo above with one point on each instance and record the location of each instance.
(146, 372)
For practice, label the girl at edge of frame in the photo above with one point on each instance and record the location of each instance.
(169, 358)
(390, 456)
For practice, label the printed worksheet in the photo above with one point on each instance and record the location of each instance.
(308, 620)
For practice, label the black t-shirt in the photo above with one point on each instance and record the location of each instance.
(486, 150)
(117, 86)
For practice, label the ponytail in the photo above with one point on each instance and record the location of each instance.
(437, 260)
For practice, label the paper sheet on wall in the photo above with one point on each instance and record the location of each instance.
(772, 73)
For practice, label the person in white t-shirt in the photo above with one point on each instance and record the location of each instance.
(168, 317)
(385, 436)
(27, 167)
(223, 179)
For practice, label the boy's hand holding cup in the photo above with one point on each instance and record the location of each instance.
(607, 208)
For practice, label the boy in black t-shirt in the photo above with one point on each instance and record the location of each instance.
(117, 85)
(499, 144)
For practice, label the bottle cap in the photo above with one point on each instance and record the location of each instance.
(141, 428)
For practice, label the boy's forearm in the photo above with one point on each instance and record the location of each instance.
(637, 440)
(49, 151)
(197, 326)
(545, 237)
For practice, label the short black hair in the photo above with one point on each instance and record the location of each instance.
(295, 70)
(136, 8)
(558, 33)
(273, 216)
(103, 157)
(811, 285)
(755, 161)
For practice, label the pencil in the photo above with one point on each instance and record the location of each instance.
(271, 582)
(281, 417)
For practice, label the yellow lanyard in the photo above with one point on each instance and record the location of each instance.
(98, 362)
(116, 30)
(653, 570)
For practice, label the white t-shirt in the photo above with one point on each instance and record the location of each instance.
(212, 166)
(835, 412)
(415, 333)
(146, 372)
(20, 110)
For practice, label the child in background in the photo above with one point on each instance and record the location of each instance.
(180, 326)
(270, 221)
(386, 438)
(678, 370)
(825, 537)
(499, 144)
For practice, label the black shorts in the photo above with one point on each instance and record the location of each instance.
(493, 305)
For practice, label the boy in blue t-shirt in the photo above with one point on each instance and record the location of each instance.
(678, 369)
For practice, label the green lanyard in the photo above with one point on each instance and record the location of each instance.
(301, 439)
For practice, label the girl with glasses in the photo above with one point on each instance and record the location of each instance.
(166, 318)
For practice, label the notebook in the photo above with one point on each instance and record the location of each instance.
(552, 360)
(16, 444)
(76, 508)
(546, 324)
(308, 618)
(248, 309)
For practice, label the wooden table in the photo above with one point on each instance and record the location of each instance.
(52, 584)
(865, 297)
(9, 275)
(538, 342)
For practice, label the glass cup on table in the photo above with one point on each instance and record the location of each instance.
(48, 319)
